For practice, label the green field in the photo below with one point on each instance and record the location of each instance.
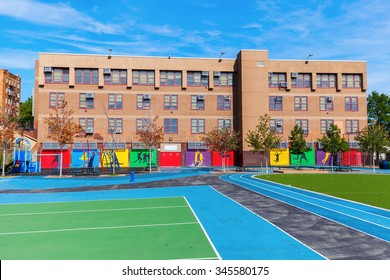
(369, 189)
(128, 229)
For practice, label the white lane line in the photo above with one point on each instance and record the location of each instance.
(96, 228)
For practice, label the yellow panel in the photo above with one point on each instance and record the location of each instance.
(280, 157)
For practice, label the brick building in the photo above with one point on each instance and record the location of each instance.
(10, 89)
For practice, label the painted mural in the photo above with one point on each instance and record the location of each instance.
(198, 158)
(140, 158)
(121, 158)
(217, 159)
(325, 158)
(82, 158)
(280, 157)
(306, 159)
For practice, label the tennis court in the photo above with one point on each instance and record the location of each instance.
(158, 228)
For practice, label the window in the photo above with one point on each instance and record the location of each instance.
(300, 103)
(277, 79)
(115, 101)
(115, 77)
(87, 76)
(143, 101)
(223, 102)
(170, 102)
(57, 76)
(299, 80)
(223, 79)
(143, 77)
(87, 124)
(352, 126)
(197, 102)
(275, 103)
(55, 99)
(304, 124)
(351, 104)
(225, 123)
(326, 103)
(276, 125)
(170, 78)
(197, 126)
(170, 126)
(86, 100)
(115, 125)
(197, 79)
(141, 123)
(325, 125)
(326, 80)
(351, 80)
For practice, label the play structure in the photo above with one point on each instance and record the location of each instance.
(23, 162)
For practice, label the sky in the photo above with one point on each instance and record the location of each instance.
(288, 29)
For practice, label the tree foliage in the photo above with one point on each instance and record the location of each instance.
(297, 143)
(221, 140)
(26, 119)
(262, 139)
(332, 142)
(378, 109)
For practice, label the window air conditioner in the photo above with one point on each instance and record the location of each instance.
(118, 131)
(305, 131)
(279, 99)
(200, 97)
(106, 71)
(283, 84)
(89, 130)
(279, 124)
(294, 75)
(205, 73)
(329, 99)
(47, 69)
(217, 73)
(89, 95)
(146, 96)
(227, 98)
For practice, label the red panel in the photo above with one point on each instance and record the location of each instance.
(49, 160)
(170, 159)
(217, 159)
(352, 158)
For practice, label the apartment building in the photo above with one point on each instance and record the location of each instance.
(112, 96)
(10, 89)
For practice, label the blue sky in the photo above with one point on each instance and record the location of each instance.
(289, 29)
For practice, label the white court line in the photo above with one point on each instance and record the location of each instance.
(95, 228)
(91, 210)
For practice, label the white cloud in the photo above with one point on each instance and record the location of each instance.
(17, 59)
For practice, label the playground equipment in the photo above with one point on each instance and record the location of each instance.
(23, 162)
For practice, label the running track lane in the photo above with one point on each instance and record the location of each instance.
(367, 219)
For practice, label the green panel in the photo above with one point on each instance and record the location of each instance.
(307, 159)
(140, 158)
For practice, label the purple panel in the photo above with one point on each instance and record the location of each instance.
(198, 158)
(324, 158)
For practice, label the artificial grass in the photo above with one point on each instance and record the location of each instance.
(365, 188)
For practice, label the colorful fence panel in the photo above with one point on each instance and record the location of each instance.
(280, 157)
(198, 158)
(122, 158)
(306, 159)
(50, 159)
(140, 158)
(217, 159)
(82, 158)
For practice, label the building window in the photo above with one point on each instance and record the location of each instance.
(170, 126)
(115, 125)
(55, 99)
(276, 125)
(277, 80)
(326, 103)
(197, 102)
(86, 100)
(87, 76)
(300, 103)
(142, 123)
(87, 124)
(325, 125)
(304, 124)
(170, 102)
(299, 80)
(57, 76)
(197, 79)
(352, 126)
(224, 102)
(223, 79)
(143, 77)
(326, 80)
(170, 78)
(276, 103)
(197, 126)
(351, 104)
(115, 77)
(351, 80)
(143, 101)
(225, 123)
(115, 101)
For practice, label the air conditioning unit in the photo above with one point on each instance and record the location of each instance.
(270, 74)
(305, 131)
(89, 95)
(89, 130)
(200, 97)
(329, 99)
(146, 96)
(205, 73)
(283, 84)
(294, 75)
(118, 131)
(107, 71)
(217, 73)
(227, 98)
(279, 124)
(279, 99)
(47, 69)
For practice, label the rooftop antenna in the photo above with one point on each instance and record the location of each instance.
(220, 56)
(307, 59)
(110, 53)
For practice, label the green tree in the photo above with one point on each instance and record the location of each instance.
(151, 135)
(262, 139)
(297, 143)
(333, 143)
(26, 119)
(378, 109)
(61, 127)
(373, 139)
(221, 140)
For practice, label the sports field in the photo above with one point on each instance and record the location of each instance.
(160, 228)
(369, 189)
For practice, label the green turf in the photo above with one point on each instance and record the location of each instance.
(369, 189)
(109, 230)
